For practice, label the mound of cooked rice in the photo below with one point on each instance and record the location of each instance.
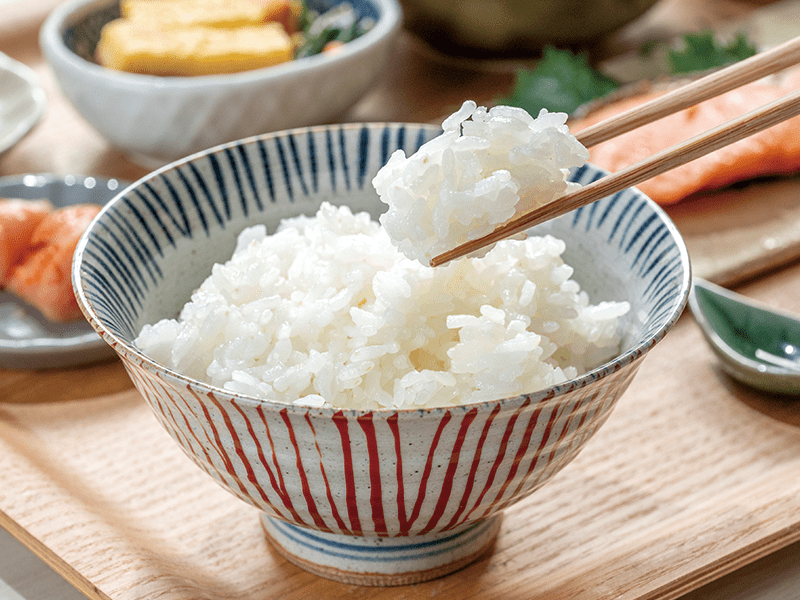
(328, 312)
(486, 167)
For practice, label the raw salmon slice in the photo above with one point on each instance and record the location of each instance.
(18, 220)
(775, 151)
(43, 278)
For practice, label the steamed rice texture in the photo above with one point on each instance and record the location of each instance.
(328, 312)
(485, 168)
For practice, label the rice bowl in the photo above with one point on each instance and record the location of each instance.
(338, 488)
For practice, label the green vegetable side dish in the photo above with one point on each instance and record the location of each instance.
(562, 81)
(338, 24)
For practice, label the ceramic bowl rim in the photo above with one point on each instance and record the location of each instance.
(133, 354)
(52, 32)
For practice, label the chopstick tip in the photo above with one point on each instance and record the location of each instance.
(438, 261)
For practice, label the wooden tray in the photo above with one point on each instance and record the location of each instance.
(691, 477)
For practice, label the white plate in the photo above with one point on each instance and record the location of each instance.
(22, 101)
(27, 339)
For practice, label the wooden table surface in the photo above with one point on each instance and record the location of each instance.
(420, 86)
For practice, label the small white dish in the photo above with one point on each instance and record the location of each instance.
(27, 339)
(22, 101)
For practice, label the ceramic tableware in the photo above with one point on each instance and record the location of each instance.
(157, 119)
(756, 345)
(27, 339)
(361, 496)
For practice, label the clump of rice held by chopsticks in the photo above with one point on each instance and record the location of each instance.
(487, 166)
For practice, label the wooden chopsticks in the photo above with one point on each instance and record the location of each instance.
(719, 82)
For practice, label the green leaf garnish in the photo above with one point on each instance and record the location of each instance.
(702, 51)
(560, 82)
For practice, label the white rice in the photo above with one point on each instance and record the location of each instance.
(486, 167)
(328, 312)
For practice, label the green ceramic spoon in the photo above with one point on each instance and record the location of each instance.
(757, 345)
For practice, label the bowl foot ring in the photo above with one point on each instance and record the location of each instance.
(377, 561)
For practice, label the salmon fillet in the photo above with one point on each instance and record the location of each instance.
(775, 151)
(43, 278)
(18, 220)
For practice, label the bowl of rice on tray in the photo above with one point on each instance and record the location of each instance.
(272, 300)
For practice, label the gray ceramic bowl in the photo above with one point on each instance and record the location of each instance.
(160, 119)
(377, 497)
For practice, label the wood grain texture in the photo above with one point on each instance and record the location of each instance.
(55, 385)
(691, 477)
